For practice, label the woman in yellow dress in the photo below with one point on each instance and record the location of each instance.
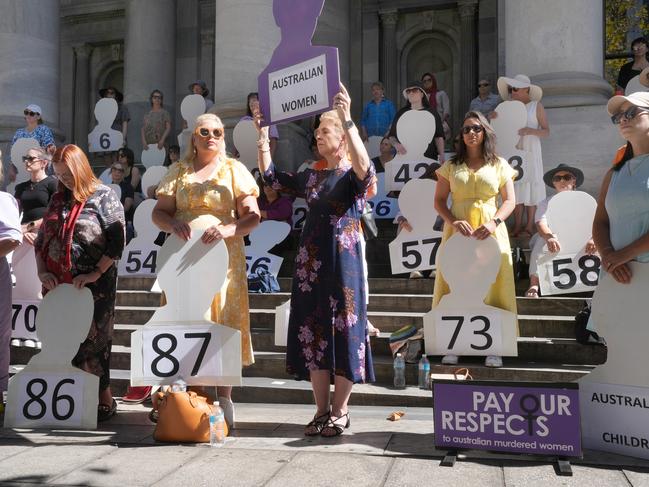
(207, 182)
(475, 178)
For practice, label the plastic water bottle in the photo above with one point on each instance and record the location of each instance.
(424, 373)
(179, 386)
(399, 372)
(217, 426)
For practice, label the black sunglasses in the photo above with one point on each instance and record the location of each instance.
(216, 133)
(30, 159)
(472, 128)
(565, 177)
(511, 89)
(30, 113)
(629, 114)
(480, 85)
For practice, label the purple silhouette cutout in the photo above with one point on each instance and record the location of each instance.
(297, 21)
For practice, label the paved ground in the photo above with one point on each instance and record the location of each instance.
(268, 449)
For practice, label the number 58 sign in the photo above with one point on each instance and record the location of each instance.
(565, 274)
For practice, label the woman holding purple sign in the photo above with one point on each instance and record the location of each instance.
(328, 330)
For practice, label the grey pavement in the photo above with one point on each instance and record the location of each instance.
(269, 449)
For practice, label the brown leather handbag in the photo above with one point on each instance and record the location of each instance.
(184, 417)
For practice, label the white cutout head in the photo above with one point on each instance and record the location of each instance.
(188, 289)
(417, 203)
(245, 140)
(106, 111)
(512, 116)
(190, 108)
(373, 145)
(634, 85)
(143, 223)
(153, 156)
(152, 177)
(268, 234)
(470, 266)
(18, 150)
(570, 215)
(28, 286)
(414, 130)
(63, 322)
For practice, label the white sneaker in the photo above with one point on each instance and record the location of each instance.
(416, 275)
(15, 342)
(228, 410)
(29, 343)
(493, 361)
(39, 344)
(450, 360)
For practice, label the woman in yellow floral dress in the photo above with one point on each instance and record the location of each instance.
(475, 177)
(207, 182)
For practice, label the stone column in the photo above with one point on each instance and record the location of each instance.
(29, 56)
(82, 109)
(149, 61)
(389, 66)
(468, 51)
(564, 55)
(333, 30)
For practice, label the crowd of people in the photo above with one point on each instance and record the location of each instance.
(78, 225)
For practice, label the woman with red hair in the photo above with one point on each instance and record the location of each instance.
(81, 237)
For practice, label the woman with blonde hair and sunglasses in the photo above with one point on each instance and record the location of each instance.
(207, 182)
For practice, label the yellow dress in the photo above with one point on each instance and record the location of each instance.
(474, 196)
(217, 196)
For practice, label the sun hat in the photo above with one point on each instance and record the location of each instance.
(34, 108)
(200, 83)
(639, 99)
(119, 96)
(579, 176)
(413, 84)
(518, 81)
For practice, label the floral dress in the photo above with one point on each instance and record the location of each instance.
(71, 241)
(217, 196)
(328, 320)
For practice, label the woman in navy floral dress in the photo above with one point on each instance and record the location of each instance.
(327, 335)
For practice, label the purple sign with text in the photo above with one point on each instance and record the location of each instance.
(520, 417)
(301, 79)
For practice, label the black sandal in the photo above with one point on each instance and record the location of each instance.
(334, 425)
(105, 412)
(316, 424)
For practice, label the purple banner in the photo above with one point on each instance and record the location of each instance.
(536, 418)
(301, 79)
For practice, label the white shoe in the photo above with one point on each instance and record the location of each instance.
(450, 360)
(39, 344)
(493, 361)
(416, 275)
(29, 343)
(15, 342)
(228, 410)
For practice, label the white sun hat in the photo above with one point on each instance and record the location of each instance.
(639, 99)
(518, 81)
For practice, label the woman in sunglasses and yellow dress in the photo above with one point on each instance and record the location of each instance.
(207, 182)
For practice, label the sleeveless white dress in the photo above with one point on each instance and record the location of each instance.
(531, 190)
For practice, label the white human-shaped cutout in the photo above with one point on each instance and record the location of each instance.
(27, 293)
(103, 138)
(414, 130)
(512, 116)
(416, 250)
(263, 238)
(570, 216)
(469, 266)
(190, 108)
(153, 156)
(619, 314)
(67, 313)
(152, 177)
(18, 150)
(634, 85)
(140, 256)
(282, 314)
(383, 206)
(117, 189)
(245, 140)
(373, 145)
(190, 274)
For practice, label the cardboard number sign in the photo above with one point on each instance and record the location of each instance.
(49, 392)
(18, 150)
(103, 138)
(152, 177)
(180, 341)
(570, 216)
(26, 295)
(245, 140)
(190, 108)
(263, 238)
(383, 207)
(414, 130)
(140, 256)
(153, 156)
(512, 116)
(416, 250)
(462, 324)
(300, 209)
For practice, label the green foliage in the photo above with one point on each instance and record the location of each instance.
(622, 16)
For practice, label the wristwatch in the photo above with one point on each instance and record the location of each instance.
(348, 124)
(498, 221)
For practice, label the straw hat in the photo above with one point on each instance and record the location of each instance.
(518, 81)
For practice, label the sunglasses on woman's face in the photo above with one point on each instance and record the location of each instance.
(30, 113)
(30, 159)
(216, 133)
(157, 97)
(511, 89)
(472, 128)
(482, 85)
(563, 177)
(628, 114)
